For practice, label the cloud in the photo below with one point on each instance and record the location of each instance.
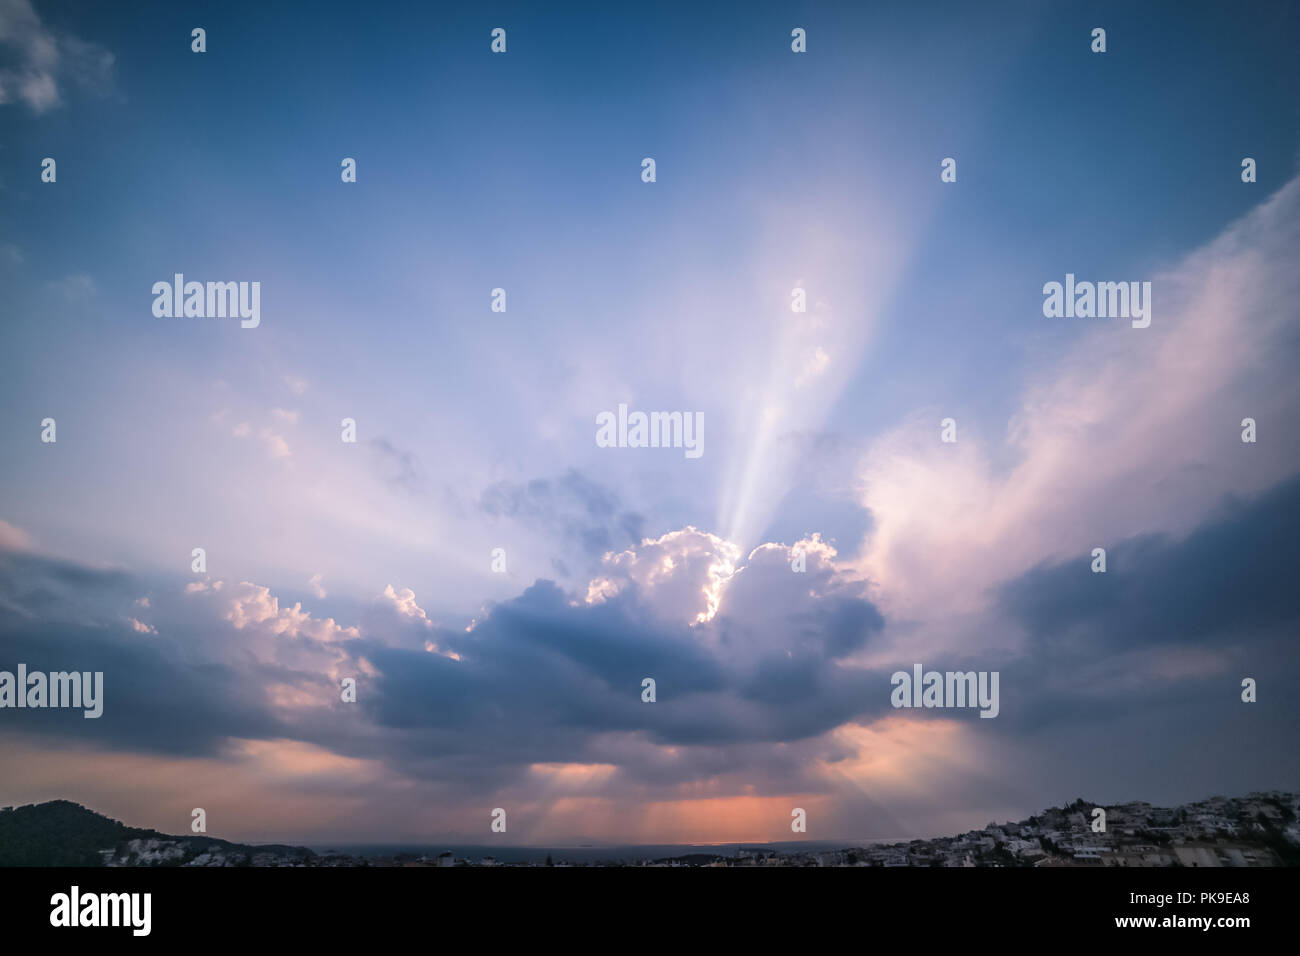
(78, 289)
(679, 576)
(205, 692)
(275, 444)
(399, 467)
(814, 365)
(35, 60)
(252, 605)
(13, 539)
(539, 701)
(403, 603)
(580, 520)
(396, 615)
(1172, 618)
(1129, 431)
(1228, 578)
(561, 671)
(553, 673)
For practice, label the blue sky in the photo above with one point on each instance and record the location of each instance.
(476, 429)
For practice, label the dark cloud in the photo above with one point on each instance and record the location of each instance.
(543, 679)
(1237, 573)
(573, 508)
(540, 678)
(1171, 627)
(154, 698)
(183, 688)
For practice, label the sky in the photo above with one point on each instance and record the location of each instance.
(516, 683)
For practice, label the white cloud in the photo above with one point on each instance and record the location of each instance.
(392, 614)
(404, 602)
(38, 59)
(250, 605)
(1131, 431)
(275, 444)
(678, 576)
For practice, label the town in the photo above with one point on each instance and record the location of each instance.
(1260, 829)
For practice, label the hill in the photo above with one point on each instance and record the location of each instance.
(63, 833)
